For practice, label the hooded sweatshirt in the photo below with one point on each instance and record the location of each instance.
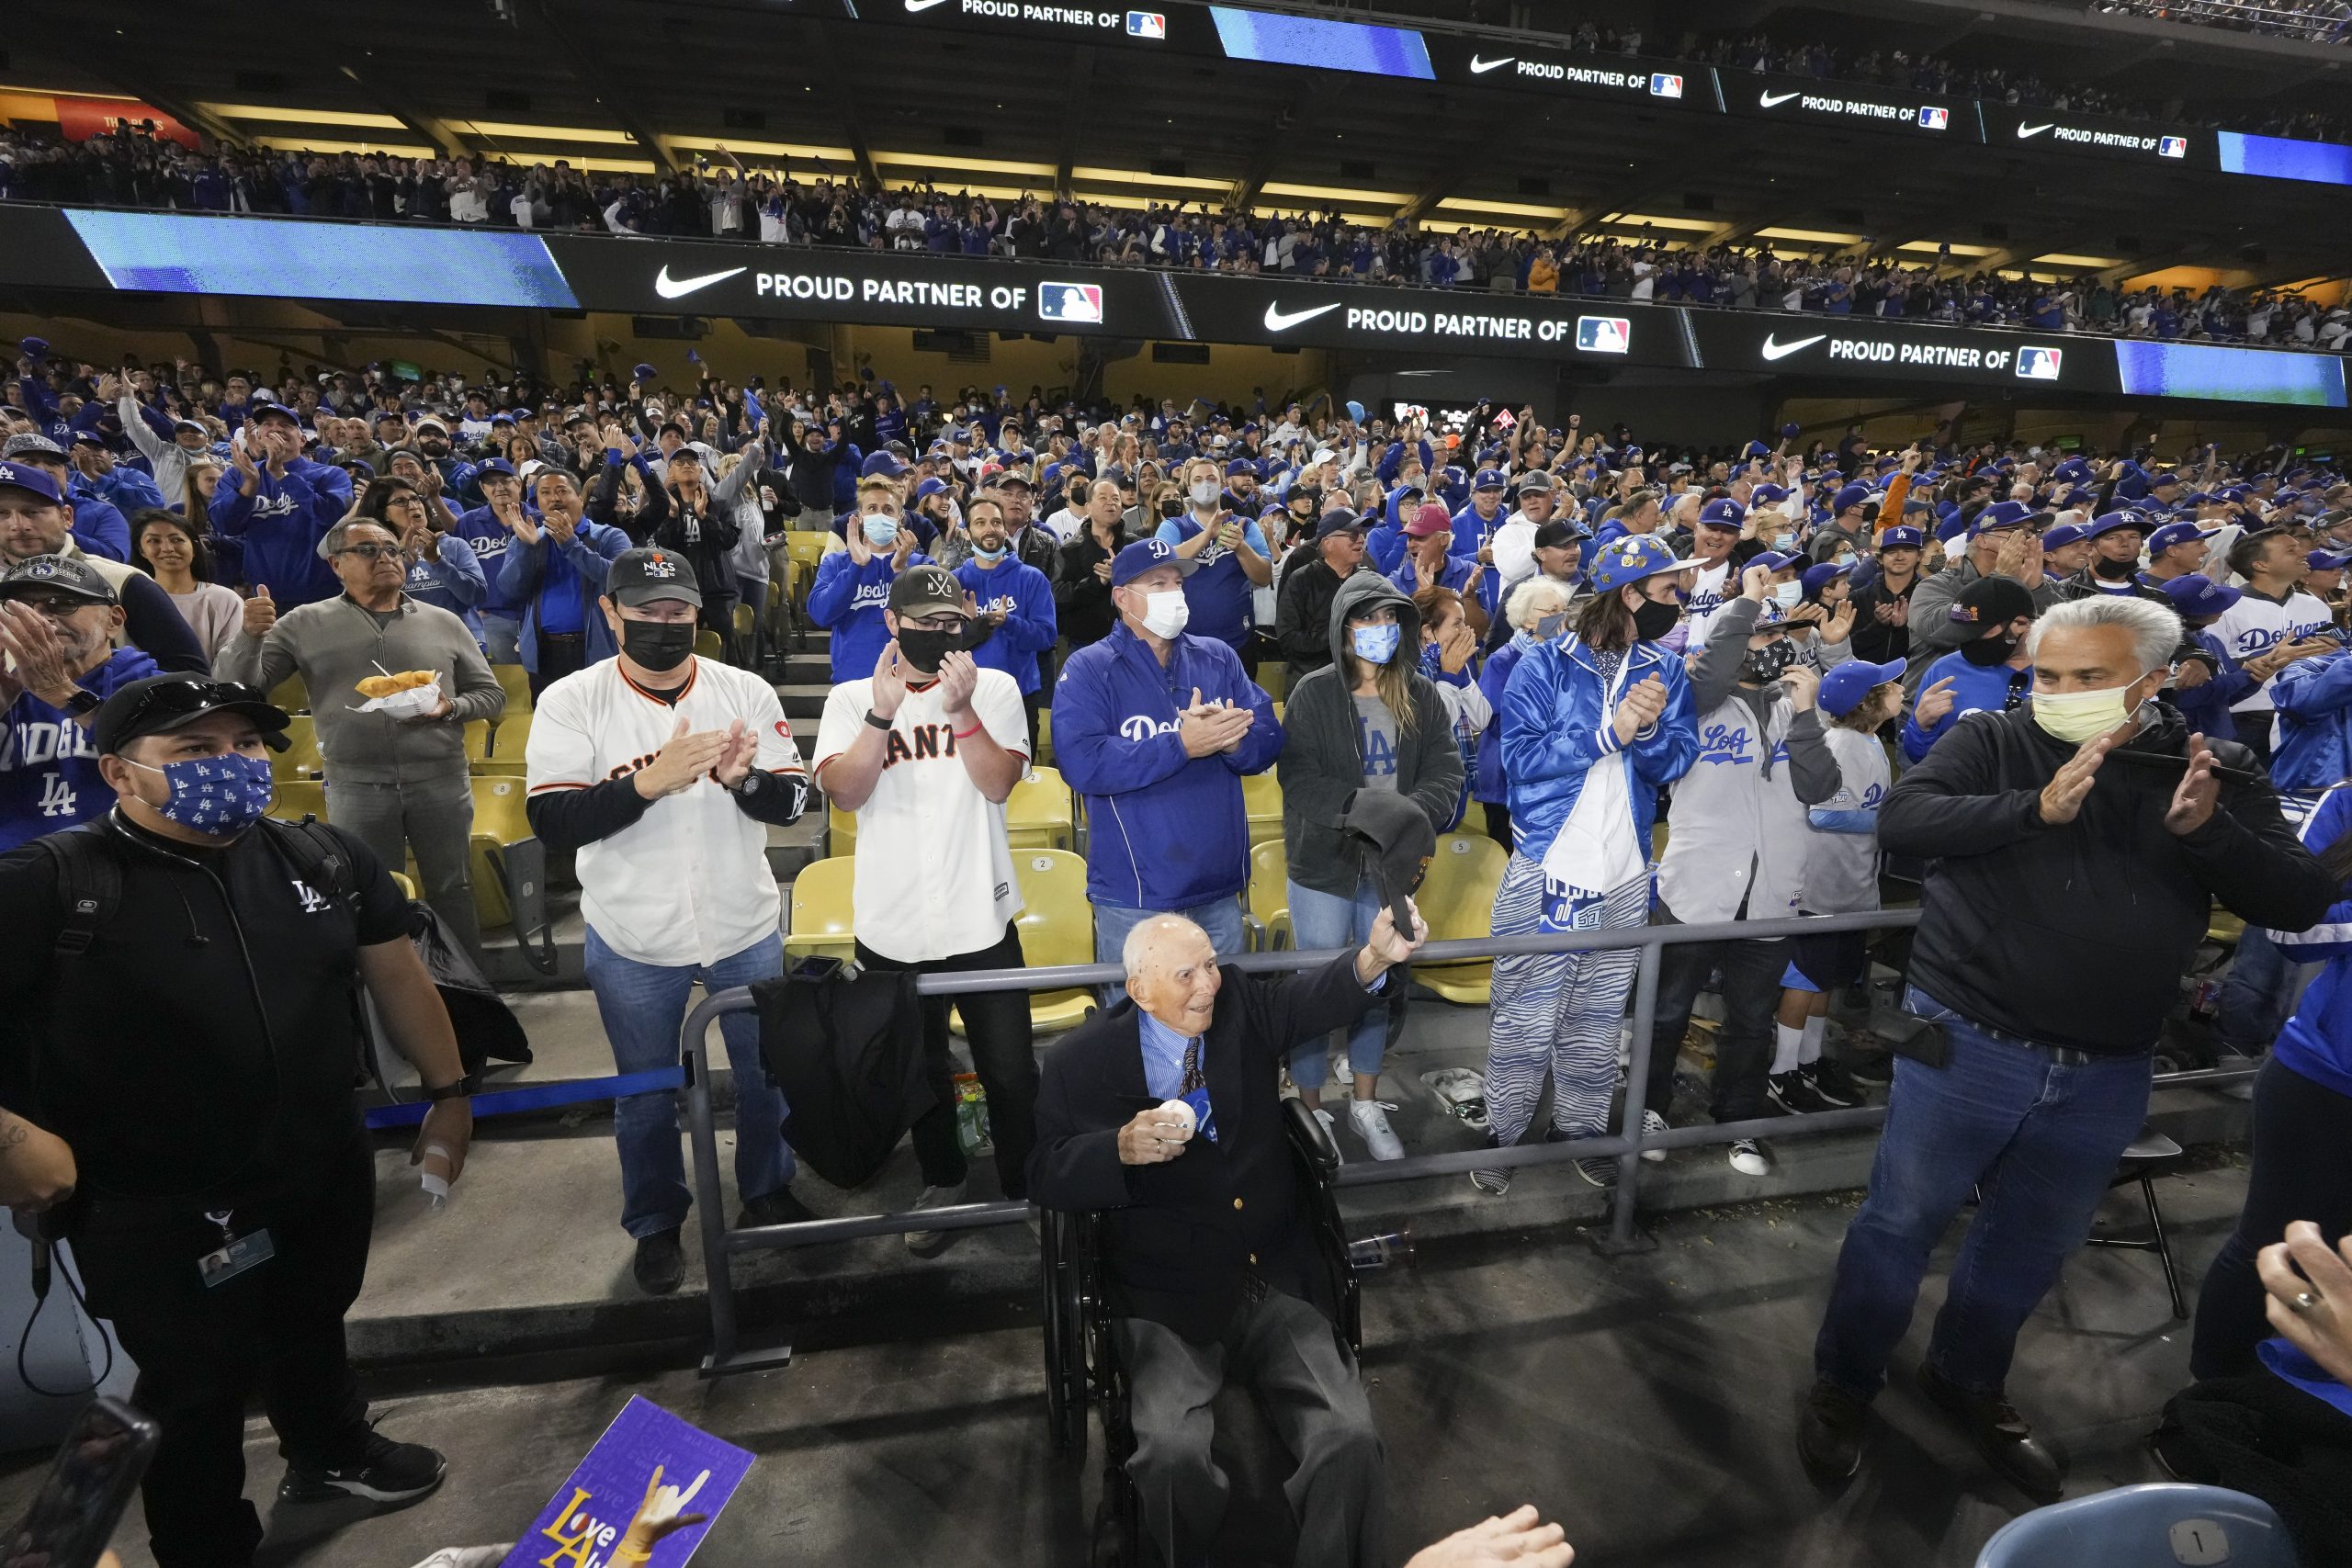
(1323, 761)
(1168, 831)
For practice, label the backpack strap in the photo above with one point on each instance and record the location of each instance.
(320, 856)
(89, 886)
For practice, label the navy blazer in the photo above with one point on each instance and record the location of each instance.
(1182, 1238)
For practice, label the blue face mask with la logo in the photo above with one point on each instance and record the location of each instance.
(220, 795)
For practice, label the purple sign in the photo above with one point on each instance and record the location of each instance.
(584, 1521)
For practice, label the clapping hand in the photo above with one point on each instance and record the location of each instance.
(1638, 709)
(1209, 728)
(1840, 625)
(1518, 1537)
(2063, 797)
(743, 750)
(681, 764)
(2200, 790)
(2312, 1308)
(958, 678)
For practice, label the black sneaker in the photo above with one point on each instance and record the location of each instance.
(660, 1263)
(1874, 1070)
(778, 1208)
(390, 1472)
(1829, 1433)
(1793, 1092)
(2001, 1434)
(1832, 1083)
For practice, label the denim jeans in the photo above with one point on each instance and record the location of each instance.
(2040, 1131)
(643, 1007)
(1221, 920)
(2257, 993)
(1324, 919)
(432, 815)
(501, 638)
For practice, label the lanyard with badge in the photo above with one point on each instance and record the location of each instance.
(236, 1252)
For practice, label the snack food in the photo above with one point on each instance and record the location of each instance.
(406, 680)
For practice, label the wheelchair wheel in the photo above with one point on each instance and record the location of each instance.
(1062, 1283)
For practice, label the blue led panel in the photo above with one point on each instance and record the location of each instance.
(1280, 40)
(178, 252)
(2232, 374)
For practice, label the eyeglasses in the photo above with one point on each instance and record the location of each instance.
(370, 550)
(54, 605)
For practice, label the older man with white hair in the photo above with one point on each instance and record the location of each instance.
(2039, 824)
(1212, 1267)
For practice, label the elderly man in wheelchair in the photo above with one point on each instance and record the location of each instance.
(1162, 1120)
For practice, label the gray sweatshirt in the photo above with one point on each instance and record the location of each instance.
(334, 644)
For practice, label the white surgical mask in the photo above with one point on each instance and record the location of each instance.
(2078, 716)
(1205, 493)
(1788, 595)
(1166, 614)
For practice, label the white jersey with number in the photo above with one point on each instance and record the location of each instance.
(933, 876)
(2253, 626)
(688, 882)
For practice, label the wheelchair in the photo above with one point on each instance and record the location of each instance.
(1082, 1367)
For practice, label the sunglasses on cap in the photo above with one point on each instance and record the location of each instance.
(182, 699)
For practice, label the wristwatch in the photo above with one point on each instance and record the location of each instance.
(456, 1089)
(82, 701)
(749, 785)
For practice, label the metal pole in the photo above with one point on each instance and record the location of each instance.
(1624, 1234)
(718, 1260)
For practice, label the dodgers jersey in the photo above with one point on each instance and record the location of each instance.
(688, 882)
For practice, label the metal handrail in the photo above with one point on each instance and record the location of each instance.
(720, 1244)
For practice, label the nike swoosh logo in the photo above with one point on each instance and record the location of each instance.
(1480, 67)
(2026, 131)
(677, 287)
(1774, 100)
(1279, 320)
(913, 5)
(1782, 350)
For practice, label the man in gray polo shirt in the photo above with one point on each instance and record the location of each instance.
(396, 783)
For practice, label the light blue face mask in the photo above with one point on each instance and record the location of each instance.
(1375, 644)
(1789, 595)
(881, 530)
(988, 557)
(1784, 542)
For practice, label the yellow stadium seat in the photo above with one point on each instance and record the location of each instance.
(300, 759)
(1036, 814)
(1278, 711)
(510, 870)
(1045, 735)
(747, 624)
(293, 799)
(841, 830)
(1262, 803)
(509, 736)
(1056, 927)
(402, 880)
(710, 645)
(516, 681)
(1269, 911)
(1274, 677)
(290, 695)
(1457, 899)
(820, 921)
(2224, 928)
(477, 740)
(802, 552)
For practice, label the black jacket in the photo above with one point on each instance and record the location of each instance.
(2078, 934)
(1182, 1238)
(848, 1056)
(1081, 600)
(1302, 615)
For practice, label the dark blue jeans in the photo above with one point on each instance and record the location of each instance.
(2257, 993)
(2042, 1132)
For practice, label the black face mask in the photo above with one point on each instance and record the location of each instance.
(1763, 665)
(1986, 652)
(923, 649)
(658, 645)
(2113, 570)
(1653, 620)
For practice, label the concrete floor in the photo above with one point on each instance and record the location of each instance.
(1646, 1402)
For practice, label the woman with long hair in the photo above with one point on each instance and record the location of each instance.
(196, 490)
(167, 547)
(443, 571)
(1593, 725)
(1369, 720)
(2302, 1118)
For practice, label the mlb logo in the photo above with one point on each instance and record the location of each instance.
(2040, 363)
(1604, 335)
(1665, 86)
(1081, 302)
(1147, 23)
(1934, 118)
(2172, 146)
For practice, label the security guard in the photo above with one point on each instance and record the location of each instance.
(177, 1003)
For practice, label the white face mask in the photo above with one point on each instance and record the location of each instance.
(1206, 493)
(1789, 596)
(1167, 612)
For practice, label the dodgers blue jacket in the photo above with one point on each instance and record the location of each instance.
(2313, 698)
(848, 601)
(1167, 831)
(2206, 708)
(2318, 1042)
(1555, 732)
(1973, 687)
(488, 539)
(1487, 783)
(280, 525)
(557, 585)
(1022, 592)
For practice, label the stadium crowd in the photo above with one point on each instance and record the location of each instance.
(2031, 687)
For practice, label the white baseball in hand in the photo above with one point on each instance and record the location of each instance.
(1182, 1111)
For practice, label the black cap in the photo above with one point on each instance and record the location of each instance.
(1992, 602)
(1400, 844)
(640, 576)
(161, 703)
(61, 574)
(926, 591)
(1554, 535)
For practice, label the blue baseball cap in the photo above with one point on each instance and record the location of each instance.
(2172, 533)
(2109, 522)
(1339, 522)
(24, 476)
(1852, 496)
(1242, 466)
(1142, 556)
(885, 463)
(1632, 558)
(1767, 495)
(2077, 497)
(930, 488)
(2199, 595)
(1776, 560)
(2157, 482)
(1843, 689)
(1491, 478)
(1903, 536)
(2000, 514)
(1723, 513)
(644, 372)
(2058, 535)
(2328, 560)
(1817, 578)
(495, 465)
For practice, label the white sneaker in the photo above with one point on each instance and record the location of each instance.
(1371, 1118)
(1343, 1075)
(1331, 1131)
(1652, 1123)
(1749, 1158)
